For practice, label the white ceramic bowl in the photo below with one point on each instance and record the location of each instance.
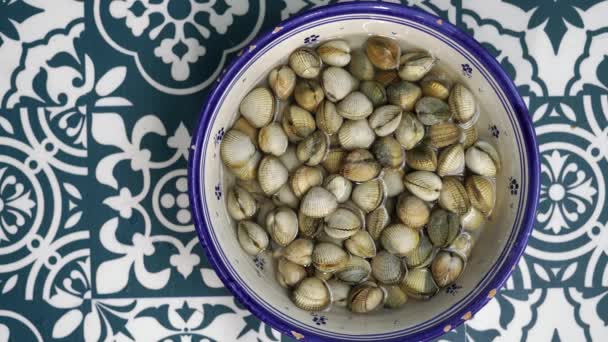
(504, 122)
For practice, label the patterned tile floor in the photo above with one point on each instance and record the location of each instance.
(98, 101)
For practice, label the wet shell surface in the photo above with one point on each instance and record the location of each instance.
(473, 220)
(387, 268)
(339, 187)
(334, 160)
(385, 120)
(399, 239)
(462, 245)
(318, 202)
(443, 227)
(286, 197)
(290, 159)
(304, 178)
(282, 81)
(410, 131)
(404, 94)
(355, 106)
(236, 149)
(258, 107)
(272, 174)
(252, 237)
(312, 294)
(451, 161)
(360, 66)
(356, 134)
(360, 166)
(383, 52)
(361, 244)
(413, 211)
(395, 297)
(482, 159)
(436, 84)
(309, 226)
(282, 225)
(415, 65)
(355, 271)
(376, 221)
(431, 110)
(339, 292)
(421, 254)
(393, 179)
(470, 136)
(305, 63)
(328, 257)
(240, 204)
(241, 124)
(327, 117)
(419, 283)
(342, 223)
(453, 196)
(422, 158)
(446, 268)
(424, 184)
(289, 274)
(297, 123)
(480, 191)
(369, 195)
(337, 83)
(388, 152)
(335, 52)
(387, 77)
(366, 298)
(462, 103)
(299, 251)
(272, 139)
(313, 149)
(374, 91)
(308, 94)
(443, 134)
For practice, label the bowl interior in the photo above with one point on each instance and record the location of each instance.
(254, 277)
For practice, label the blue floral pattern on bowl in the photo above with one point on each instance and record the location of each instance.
(311, 39)
(467, 70)
(318, 319)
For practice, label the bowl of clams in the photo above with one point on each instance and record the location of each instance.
(364, 172)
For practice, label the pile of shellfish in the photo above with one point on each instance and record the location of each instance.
(362, 172)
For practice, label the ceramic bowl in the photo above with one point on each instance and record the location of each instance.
(504, 122)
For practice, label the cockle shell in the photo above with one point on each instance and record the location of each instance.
(482, 159)
(431, 110)
(366, 298)
(369, 195)
(443, 134)
(421, 255)
(422, 158)
(272, 139)
(308, 94)
(282, 225)
(339, 292)
(334, 160)
(312, 294)
(355, 106)
(410, 131)
(462, 245)
(419, 283)
(481, 192)
(387, 268)
(337, 83)
(258, 107)
(393, 179)
(318, 202)
(383, 52)
(252, 186)
(309, 226)
(360, 166)
(356, 134)
(399, 239)
(395, 297)
(443, 227)
(249, 171)
(388, 152)
(241, 124)
(462, 103)
(385, 120)
(265, 206)
(304, 178)
(374, 91)
(335, 52)
(313, 149)
(297, 123)
(288, 273)
(240, 204)
(286, 197)
(272, 174)
(252, 237)
(451, 161)
(470, 136)
(423, 184)
(387, 77)
(282, 81)
(415, 65)
(305, 63)
(342, 223)
(299, 251)
(453, 196)
(328, 257)
(355, 271)
(436, 84)
(339, 186)
(413, 211)
(404, 94)
(360, 66)
(290, 159)
(446, 268)
(361, 244)
(327, 117)
(376, 221)
(236, 149)
(473, 219)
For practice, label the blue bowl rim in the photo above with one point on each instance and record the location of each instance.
(400, 11)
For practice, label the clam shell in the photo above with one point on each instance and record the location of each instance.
(339, 187)
(299, 251)
(272, 139)
(462, 103)
(286, 197)
(290, 159)
(409, 132)
(422, 158)
(328, 257)
(423, 184)
(446, 268)
(318, 202)
(376, 221)
(399, 239)
(393, 179)
(297, 123)
(383, 52)
(282, 81)
(431, 110)
(443, 134)
(252, 237)
(312, 294)
(252, 186)
(482, 159)
(387, 77)
(366, 298)
(356, 134)
(305, 63)
(237, 149)
(249, 171)
(395, 297)
(369, 195)
(413, 211)
(415, 65)
(304, 178)
(342, 224)
(355, 271)
(323, 275)
(470, 136)
(404, 94)
(323, 237)
(374, 91)
(419, 283)
(258, 107)
(462, 245)
(473, 220)
(339, 292)
(337, 83)
(309, 226)
(361, 244)
(355, 106)
(437, 85)
(265, 206)
(308, 94)
(335, 52)
(360, 66)
(334, 160)
(388, 152)
(360, 166)
(421, 254)
(313, 149)
(282, 225)
(453, 196)
(240, 204)
(387, 268)
(289, 274)
(272, 174)
(443, 227)
(385, 120)
(241, 124)
(328, 119)
(481, 192)
(451, 161)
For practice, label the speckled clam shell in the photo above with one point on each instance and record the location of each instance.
(312, 294)
(299, 251)
(413, 211)
(446, 268)
(339, 187)
(272, 174)
(383, 52)
(282, 81)
(423, 184)
(385, 120)
(436, 84)
(431, 110)
(258, 107)
(355, 106)
(387, 268)
(361, 244)
(443, 227)
(286, 197)
(355, 271)
(410, 131)
(339, 292)
(342, 223)
(443, 134)
(393, 179)
(305, 62)
(404, 94)
(240, 203)
(356, 134)
(272, 139)
(376, 221)
(313, 149)
(388, 152)
(304, 178)
(419, 283)
(335, 53)
(453, 196)
(297, 123)
(462, 103)
(288, 273)
(451, 161)
(395, 297)
(481, 192)
(241, 124)
(252, 237)
(360, 166)
(375, 92)
(415, 65)
(318, 202)
(327, 117)
(399, 239)
(282, 225)
(366, 298)
(334, 160)
(236, 148)
(308, 94)
(422, 158)
(369, 195)
(421, 254)
(309, 226)
(337, 83)
(482, 159)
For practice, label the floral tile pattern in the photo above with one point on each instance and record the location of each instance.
(98, 100)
